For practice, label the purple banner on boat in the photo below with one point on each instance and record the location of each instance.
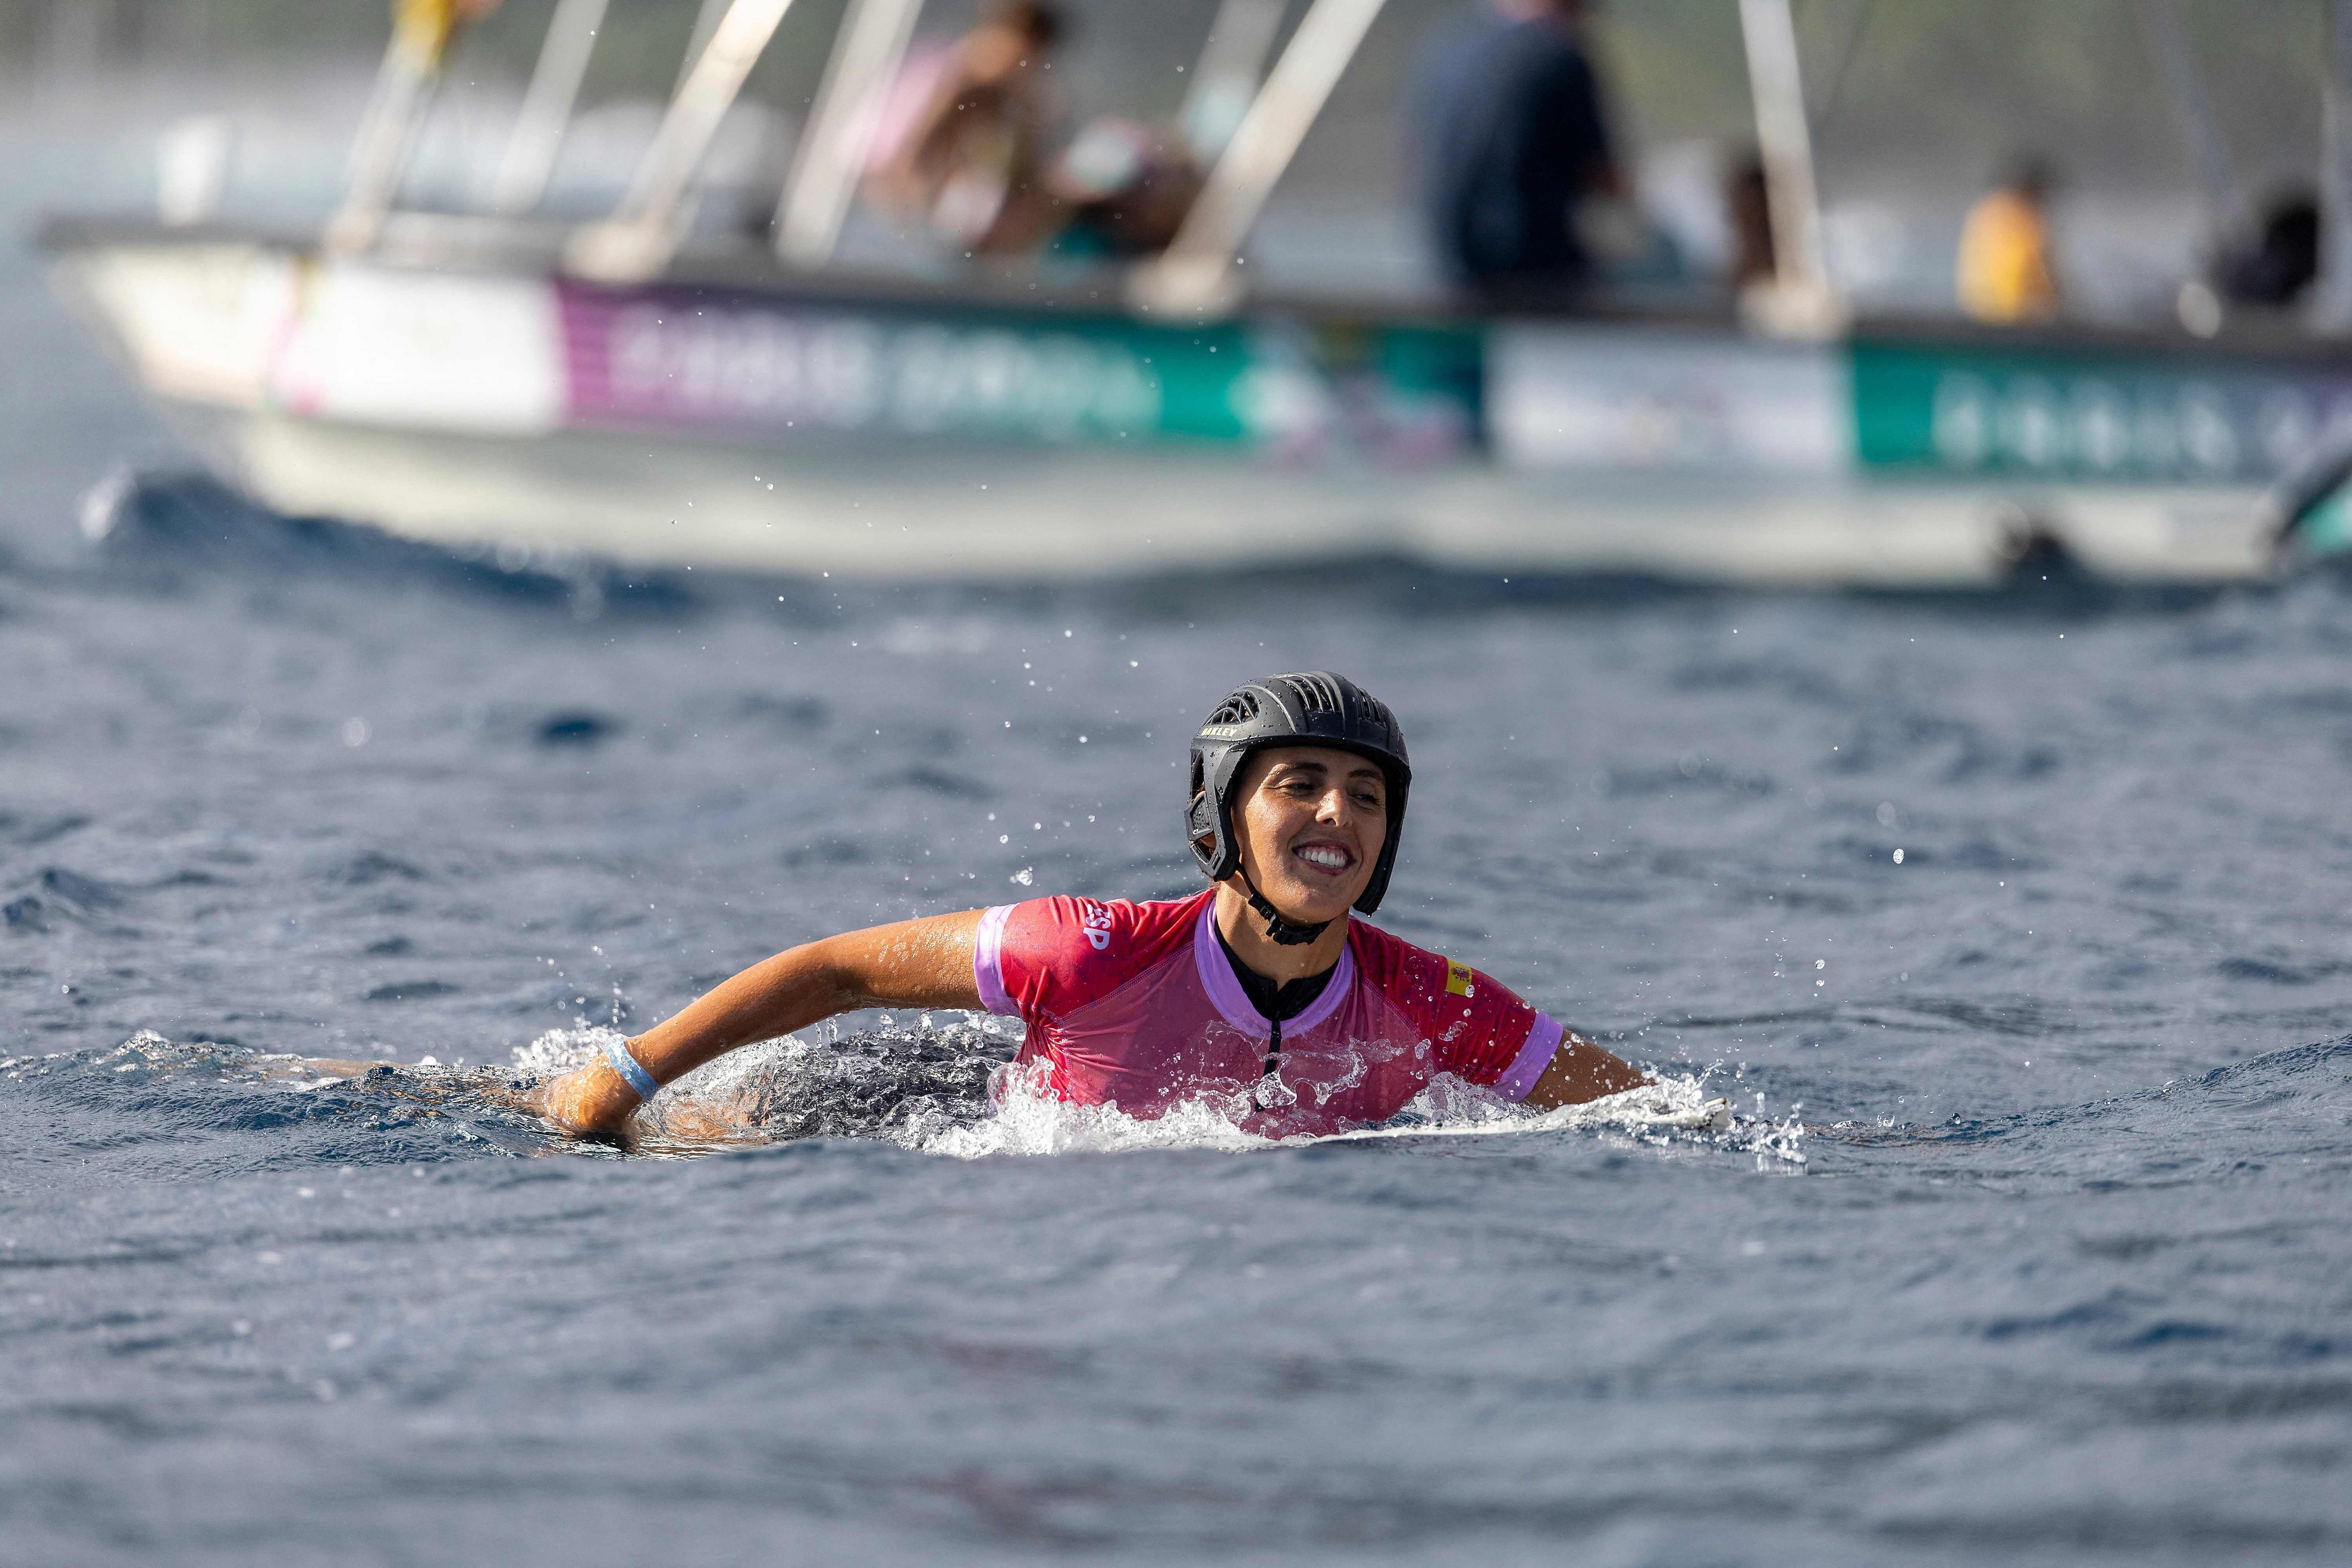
(677, 359)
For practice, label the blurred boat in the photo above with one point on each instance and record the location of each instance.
(626, 391)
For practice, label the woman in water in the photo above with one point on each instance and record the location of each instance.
(1262, 995)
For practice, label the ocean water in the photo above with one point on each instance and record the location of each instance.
(2026, 1240)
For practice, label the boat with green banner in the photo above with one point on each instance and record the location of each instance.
(625, 392)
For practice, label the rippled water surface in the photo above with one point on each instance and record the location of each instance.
(2029, 1243)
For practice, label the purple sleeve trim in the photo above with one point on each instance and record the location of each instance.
(1519, 1080)
(987, 965)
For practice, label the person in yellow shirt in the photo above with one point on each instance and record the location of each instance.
(425, 27)
(2004, 262)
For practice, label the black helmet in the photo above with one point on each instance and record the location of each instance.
(1314, 709)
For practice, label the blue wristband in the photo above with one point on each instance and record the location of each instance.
(616, 1056)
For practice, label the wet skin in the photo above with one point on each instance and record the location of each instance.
(1311, 821)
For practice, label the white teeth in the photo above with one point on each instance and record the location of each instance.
(1329, 857)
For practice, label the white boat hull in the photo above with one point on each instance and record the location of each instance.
(441, 406)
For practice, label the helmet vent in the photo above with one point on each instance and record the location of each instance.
(1238, 709)
(1315, 694)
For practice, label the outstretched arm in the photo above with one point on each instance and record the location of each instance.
(1580, 1071)
(913, 963)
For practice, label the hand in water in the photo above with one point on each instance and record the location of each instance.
(592, 1101)
(584, 1100)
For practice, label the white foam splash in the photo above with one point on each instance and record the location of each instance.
(1672, 1108)
(737, 1098)
(561, 1050)
(1027, 1120)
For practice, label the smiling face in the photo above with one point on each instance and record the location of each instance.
(1309, 822)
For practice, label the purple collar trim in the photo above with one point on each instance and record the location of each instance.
(1233, 1004)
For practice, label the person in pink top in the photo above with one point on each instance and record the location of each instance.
(1261, 995)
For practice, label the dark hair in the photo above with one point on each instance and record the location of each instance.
(1033, 19)
(2275, 264)
(2030, 175)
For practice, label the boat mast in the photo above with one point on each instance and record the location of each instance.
(1196, 275)
(638, 240)
(421, 33)
(1799, 301)
(1231, 64)
(547, 106)
(2333, 309)
(866, 52)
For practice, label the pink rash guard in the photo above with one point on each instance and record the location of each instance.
(1136, 1006)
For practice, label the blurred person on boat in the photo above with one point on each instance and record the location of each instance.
(424, 31)
(1748, 212)
(1124, 188)
(431, 24)
(2274, 267)
(1262, 997)
(1513, 139)
(2003, 274)
(959, 137)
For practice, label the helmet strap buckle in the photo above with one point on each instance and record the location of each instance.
(1280, 929)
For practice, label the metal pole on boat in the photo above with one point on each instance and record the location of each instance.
(867, 53)
(1799, 301)
(421, 33)
(706, 23)
(638, 240)
(1848, 40)
(1231, 64)
(547, 106)
(2332, 312)
(1196, 275)
(2165, 36)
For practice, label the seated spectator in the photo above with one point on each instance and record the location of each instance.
(1125, 189)
(2278, 266)
(1748, 203)
(959, 137)
(1512, 137)
(2003, 270)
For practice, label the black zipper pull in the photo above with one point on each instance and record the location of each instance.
(1274, 1048)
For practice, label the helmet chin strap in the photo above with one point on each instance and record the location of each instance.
(1282, 932)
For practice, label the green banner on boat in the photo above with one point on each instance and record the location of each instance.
(2152, 416)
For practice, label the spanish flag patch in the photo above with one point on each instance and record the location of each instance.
(1457, 979)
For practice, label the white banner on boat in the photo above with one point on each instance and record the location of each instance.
(375, 345)
(1595, 397)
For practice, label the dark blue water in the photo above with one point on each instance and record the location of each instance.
(2029, 1244)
